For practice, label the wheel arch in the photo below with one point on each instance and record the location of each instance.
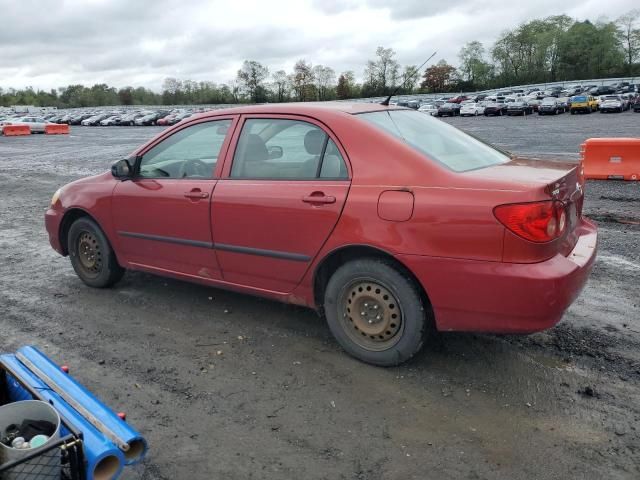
(334, 259)
(70, 216)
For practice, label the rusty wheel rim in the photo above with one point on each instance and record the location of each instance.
(89, 253)
(371, 315)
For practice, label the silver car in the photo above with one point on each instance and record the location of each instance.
(36, 124)
(429, 109)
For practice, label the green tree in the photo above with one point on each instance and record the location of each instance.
(251, 78)
(324, 82)
(302, 81)
(629, 37)
(473, 66)
(382, 73)
(346, 85)
(125, 96)
(590, 51)
(280, 85)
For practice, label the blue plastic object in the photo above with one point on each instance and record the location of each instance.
(104, 461)
(136, 445)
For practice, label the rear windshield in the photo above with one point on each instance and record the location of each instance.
(579, 99)
(436, 139)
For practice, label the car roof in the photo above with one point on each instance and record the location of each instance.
(300, 108)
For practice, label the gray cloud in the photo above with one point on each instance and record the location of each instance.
(333, 7)
(126, 42)
(415, 9)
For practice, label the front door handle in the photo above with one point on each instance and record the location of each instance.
(318, 198)
(196, 193)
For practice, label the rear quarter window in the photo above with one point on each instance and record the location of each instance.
(437, 140)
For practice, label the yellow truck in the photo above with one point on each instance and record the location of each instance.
(583, 103)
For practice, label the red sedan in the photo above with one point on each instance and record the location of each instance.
(389, 222)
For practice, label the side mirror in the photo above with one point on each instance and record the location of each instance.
(275, 152)
(121, 169)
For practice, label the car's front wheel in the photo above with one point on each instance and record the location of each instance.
(376, 312)
(91, 255)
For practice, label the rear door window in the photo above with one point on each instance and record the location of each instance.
(280, 149)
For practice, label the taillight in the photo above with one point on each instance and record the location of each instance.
(536, 221)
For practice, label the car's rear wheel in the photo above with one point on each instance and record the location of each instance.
(92, 258)
(376, 312)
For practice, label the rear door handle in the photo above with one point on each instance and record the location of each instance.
(196, 194)
(318, 198)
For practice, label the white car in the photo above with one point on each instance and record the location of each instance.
(429, 108)
(471, 109)
(36, 124)
(109, 121)
(611, 103)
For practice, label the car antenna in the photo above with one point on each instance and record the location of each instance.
(385, 102)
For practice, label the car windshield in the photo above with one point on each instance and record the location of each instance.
(579, 99)
(438, 140)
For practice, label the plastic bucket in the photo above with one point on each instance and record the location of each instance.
(14, 414)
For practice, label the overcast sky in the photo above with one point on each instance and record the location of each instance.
(138, 42)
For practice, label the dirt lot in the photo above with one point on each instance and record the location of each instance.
(229, 386)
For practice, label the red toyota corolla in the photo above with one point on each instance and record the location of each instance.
(389, 222)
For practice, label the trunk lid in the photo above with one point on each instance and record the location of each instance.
(542, 180)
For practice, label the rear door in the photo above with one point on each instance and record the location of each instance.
(278, 200)
(162, 216)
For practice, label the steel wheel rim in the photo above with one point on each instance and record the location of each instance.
(89, 253)
(370, 315)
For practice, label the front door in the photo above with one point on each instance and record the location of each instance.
(162, 216)
(277, 202)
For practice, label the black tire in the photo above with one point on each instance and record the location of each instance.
(401, 321)
(91, 255)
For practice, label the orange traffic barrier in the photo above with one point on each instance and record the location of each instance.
(611, 158)
(55, 129)
(15, 130)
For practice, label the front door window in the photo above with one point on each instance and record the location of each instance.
(189, 153)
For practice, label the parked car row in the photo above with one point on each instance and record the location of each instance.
(499, 105)
(92, 118)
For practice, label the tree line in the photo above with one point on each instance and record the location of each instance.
(551, 49)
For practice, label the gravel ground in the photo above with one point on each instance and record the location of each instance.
(229, 386)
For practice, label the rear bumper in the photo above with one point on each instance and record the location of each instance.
(476, 296)
(52, 219)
